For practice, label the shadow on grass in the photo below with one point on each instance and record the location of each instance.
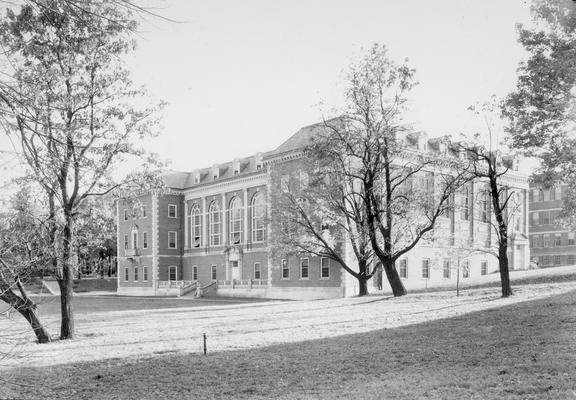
(522, 351)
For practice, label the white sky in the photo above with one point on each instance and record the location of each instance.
(242, 76)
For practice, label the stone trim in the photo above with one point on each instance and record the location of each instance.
(229, 185)
(155, 241)
(118, 273)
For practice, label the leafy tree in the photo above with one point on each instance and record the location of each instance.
(71, 105)
(542, 109)
(95, 236)
(380, 190)
(404, 191)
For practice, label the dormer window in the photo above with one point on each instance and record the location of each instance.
(215, 172)
(196, 178)
(236, 166)
(259, 163)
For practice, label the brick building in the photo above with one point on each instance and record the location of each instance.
(212, 229)
(550, 243)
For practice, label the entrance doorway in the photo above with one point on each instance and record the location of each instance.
(236, 276)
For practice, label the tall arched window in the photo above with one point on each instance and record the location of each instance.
(214, 221)
(235, 219)
(258, 215)
(195, 226)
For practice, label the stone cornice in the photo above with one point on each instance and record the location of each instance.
(228, 185)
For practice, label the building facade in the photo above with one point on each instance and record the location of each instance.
(551, 244)
(213, 230)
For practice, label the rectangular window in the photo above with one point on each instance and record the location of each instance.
(465, 269)
(403, 268)
(570, 238)
(324, 268)
(483, 268)
(546, 261)
(285, 270)
(558, 195)
(552, 194)
(484, 206)
(125, 215)
(284, 183)
(546, 240)
(214, 273)
(303, 268)
(143, 211)
(145, 240)
(303, 179)
(535, 219)
(172, 274)
(172, 238)
(557, 260)
(426, 268)
(126, 243)
(145, 273)
(126, 274)
(257, 271)
(464, 206)
(546, 195)
(134, 240)
(531, 196)
(538, 241)
(540, 195)
(558, 240)
(195, 273)
(446, 269)
(135, 273)
(172, 211)
(571, 259)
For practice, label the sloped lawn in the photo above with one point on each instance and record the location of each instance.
(525, 350)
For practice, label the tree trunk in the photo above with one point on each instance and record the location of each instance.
(394, 279)
(26, 308)
(504, 272)
(458, 278)
(66, 285)
(362, 278)
(363, 286)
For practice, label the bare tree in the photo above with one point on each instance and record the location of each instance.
(488, 166)
(320, 211)
(70, 103)
(23, 252)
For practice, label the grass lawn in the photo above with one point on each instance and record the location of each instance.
(524, 350)
(86, 303)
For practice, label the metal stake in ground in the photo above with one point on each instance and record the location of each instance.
(204, 335)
